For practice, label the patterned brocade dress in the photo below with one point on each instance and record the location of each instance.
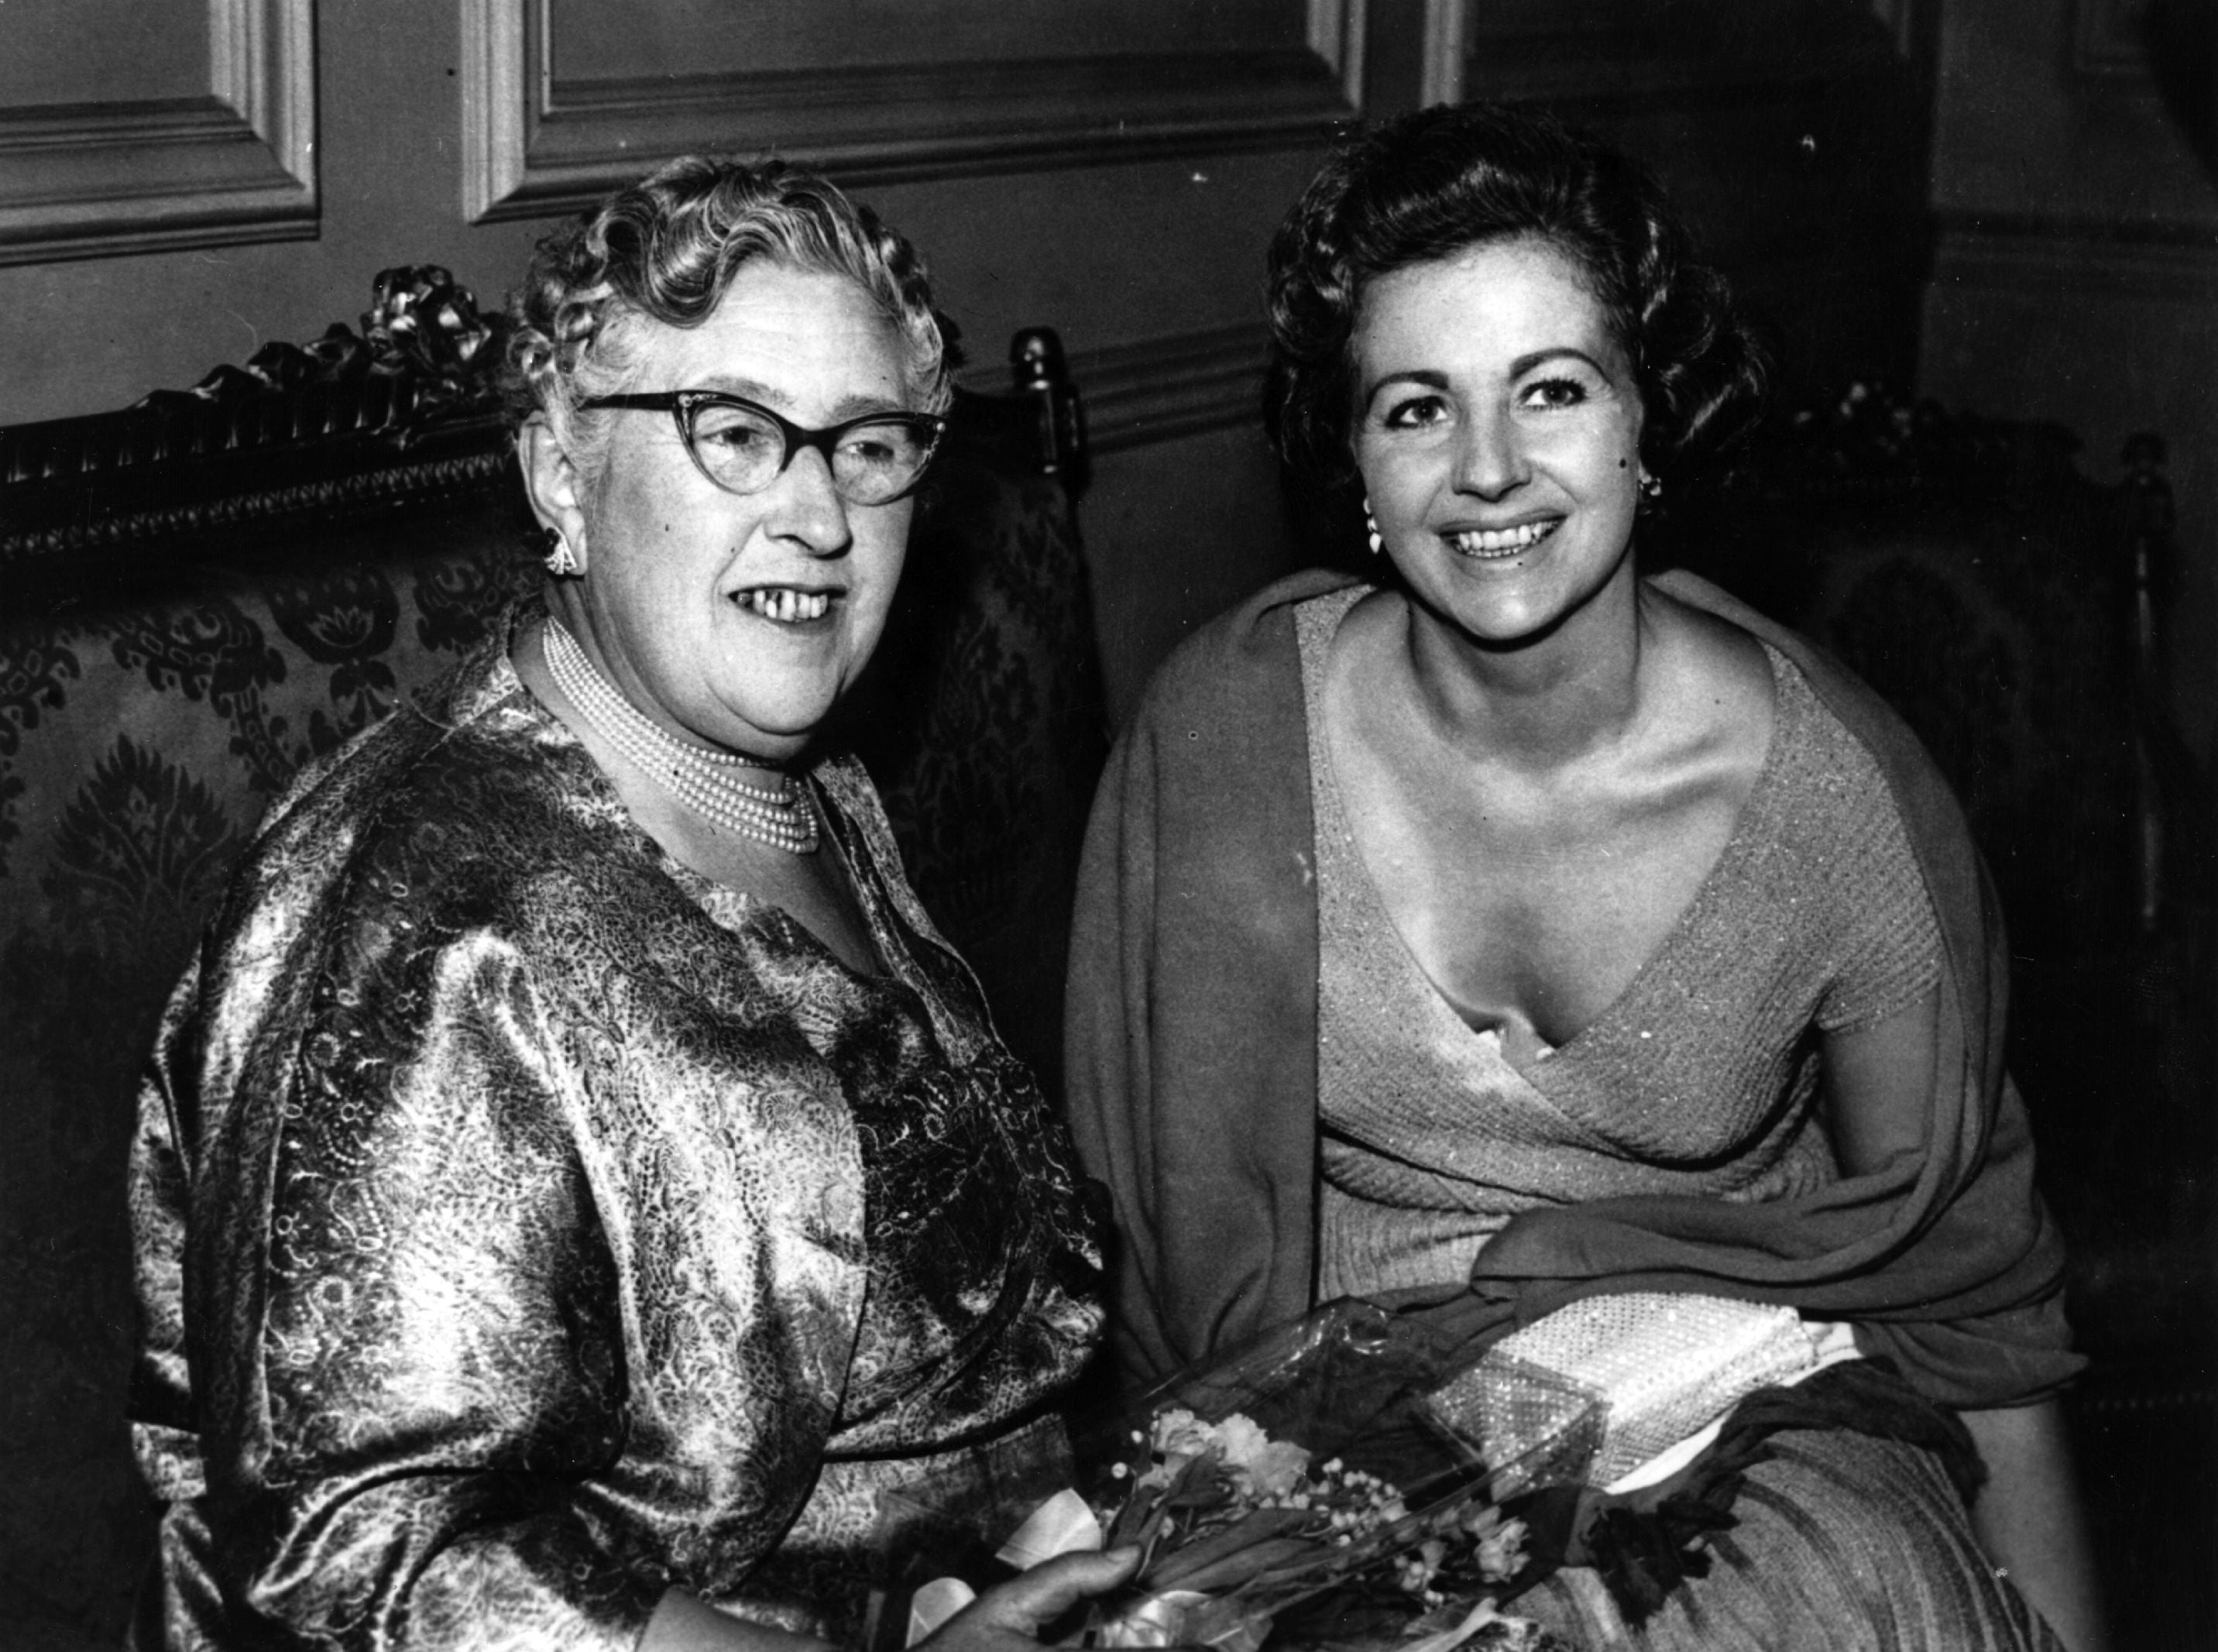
(526, 1225)
(1700, 1079)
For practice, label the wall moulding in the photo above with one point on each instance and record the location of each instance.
(2172, 263)
(92, 178)
(540, 140)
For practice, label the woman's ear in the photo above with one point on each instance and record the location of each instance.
(553, 485)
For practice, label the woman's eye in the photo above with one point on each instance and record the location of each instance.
(869, 448)
(1419, 412)
(732, 429)
(737, 438)
(1554, 392)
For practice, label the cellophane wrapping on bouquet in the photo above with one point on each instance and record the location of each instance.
(1309, 1488)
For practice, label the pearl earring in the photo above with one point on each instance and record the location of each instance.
(1370, 526)
(562, 562)
(1652, 487)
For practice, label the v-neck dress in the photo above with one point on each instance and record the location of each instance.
(1700, 1078)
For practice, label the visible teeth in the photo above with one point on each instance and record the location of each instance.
(1497, 541)
(789, 606)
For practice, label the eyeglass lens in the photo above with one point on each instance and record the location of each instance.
(744, 450)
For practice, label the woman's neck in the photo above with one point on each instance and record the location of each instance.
(1547, 701)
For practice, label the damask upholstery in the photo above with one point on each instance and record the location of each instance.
(2012, 609)
(982, 720)
(198, 595)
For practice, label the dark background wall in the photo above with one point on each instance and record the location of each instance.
(2075, 270)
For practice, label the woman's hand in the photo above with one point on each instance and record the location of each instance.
(1005, 1618)
(1008, 1616)
(2029, 1518)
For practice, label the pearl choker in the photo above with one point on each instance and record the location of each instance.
(707, 782)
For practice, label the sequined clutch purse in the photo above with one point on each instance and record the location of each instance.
(1661, 1365)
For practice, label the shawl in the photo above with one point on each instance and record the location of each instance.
(1191, 1056)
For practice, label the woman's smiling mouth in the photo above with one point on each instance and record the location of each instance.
(786, 605)
(1502, 542)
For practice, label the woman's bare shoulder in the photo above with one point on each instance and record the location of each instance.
(1716, 678)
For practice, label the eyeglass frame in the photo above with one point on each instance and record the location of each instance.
(682, 408)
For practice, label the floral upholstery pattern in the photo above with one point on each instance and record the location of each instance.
(165, 667)
(138, 747)
(986, 759)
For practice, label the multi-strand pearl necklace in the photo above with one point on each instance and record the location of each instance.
(705, 781)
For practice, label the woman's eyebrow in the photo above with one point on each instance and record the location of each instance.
(1432, 378)
(1427, 376)
(863, 407)
(854, 406)
(1524, 364)
(727, 384)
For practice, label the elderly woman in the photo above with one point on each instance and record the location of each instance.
(1509, 929)
(575, 1177)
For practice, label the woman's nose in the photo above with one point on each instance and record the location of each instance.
(810, 507)
(1490, 458)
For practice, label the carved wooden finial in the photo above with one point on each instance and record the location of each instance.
(1038, 366)
(1036, 359)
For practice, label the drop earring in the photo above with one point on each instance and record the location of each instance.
(1370, 526)
(1652, 488)
(561, 562)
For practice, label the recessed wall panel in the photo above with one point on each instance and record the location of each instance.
(564, 99)
(128, 125)
(101, 51)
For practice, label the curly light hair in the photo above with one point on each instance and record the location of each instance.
(666, 249)
(1427, 186)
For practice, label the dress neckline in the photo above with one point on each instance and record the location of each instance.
(1318, 621)
(736, 910)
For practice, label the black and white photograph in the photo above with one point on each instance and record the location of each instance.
(1277, 825)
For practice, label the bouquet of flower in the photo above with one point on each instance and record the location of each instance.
(1308, 1483)
(1236, 1528)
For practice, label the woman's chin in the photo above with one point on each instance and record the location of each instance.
(1505, 615)
(1510, 602)
(782, 723)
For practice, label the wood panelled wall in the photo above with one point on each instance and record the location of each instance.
(182, 181)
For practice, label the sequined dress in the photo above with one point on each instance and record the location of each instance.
(526, 1225)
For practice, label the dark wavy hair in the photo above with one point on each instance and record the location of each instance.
(667, 248)
(1429, 185)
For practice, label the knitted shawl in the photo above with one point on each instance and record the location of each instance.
(1191, 1056)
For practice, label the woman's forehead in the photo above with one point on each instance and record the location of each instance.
(1503, 297)
(779, 334)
